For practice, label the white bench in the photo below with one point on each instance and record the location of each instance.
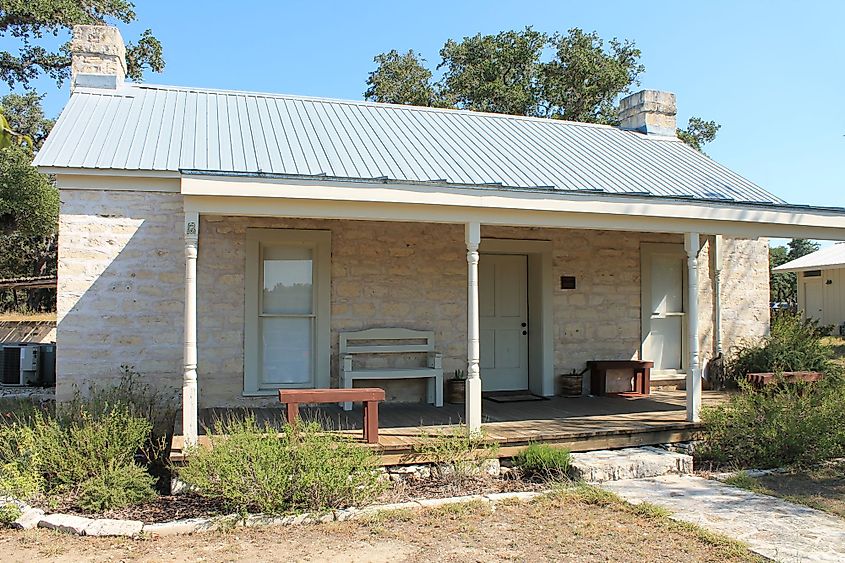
(388, 341)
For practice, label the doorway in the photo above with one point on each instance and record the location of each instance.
(503, 311)
(663, 307)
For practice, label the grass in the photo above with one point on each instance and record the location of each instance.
(592, 495)
(837, 344)
(821, 487)
(578, 523)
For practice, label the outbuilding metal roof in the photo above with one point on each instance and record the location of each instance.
(163, 128)
(826, 258)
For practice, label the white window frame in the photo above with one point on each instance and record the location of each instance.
(320, 244)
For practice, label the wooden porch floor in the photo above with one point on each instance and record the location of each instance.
(581, 423)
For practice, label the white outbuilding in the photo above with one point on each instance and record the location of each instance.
(821, 284)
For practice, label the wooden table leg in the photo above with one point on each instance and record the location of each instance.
(371, 422)
(646, 381)
(292, 413)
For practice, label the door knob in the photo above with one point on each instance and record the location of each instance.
(523, 325)
(524, 332)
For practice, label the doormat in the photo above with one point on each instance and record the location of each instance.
(512, 396)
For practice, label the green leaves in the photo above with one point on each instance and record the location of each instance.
(29, 21)
(494, 73)
(512, 73)
(10, 138)
(783, 286)
(29, 203)
(698, 132)
(401, 79)
(506, 73)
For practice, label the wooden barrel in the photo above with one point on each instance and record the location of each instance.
(570, 385)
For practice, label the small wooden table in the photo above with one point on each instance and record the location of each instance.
(370, 396)
(599, 369)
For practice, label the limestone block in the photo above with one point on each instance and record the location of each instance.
(28, 519)
(65, 523)
(629, 463)
(110, 527)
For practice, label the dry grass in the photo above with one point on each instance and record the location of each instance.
(575, 524)
(838, 345)
(822, 488)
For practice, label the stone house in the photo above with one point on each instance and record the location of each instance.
(222, 241)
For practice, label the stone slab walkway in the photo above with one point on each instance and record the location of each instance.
(771, 527)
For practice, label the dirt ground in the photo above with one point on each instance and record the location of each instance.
(562, 527)
(822, 488)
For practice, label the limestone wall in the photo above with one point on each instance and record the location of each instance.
(121, 286)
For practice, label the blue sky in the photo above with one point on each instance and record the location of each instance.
(771, 73)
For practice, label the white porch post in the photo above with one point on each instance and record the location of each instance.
(692, 246)
(473, 383)
(717, 292)
(189, 376)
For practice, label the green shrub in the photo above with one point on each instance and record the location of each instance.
(544, 460)
(138, 399)
(784, 423)
(118, 486)
(794, 344)
(800, 423)
(20, 475)
(9, 512)
(254, 468)
(74, 451)
(454, 452)
(42, 454)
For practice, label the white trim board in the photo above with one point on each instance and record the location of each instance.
(269, 197)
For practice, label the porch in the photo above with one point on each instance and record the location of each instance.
(580, 423)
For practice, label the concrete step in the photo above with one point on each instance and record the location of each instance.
(628, 463)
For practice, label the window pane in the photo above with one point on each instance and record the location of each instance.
(286, 350)
(288, 280)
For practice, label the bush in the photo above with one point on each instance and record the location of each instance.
(138, 399)
(784, 423)
(794, 344)
(75, 451)
(544, 460)
(254, 468)
(71, 452)
(20, 475)
(9, 512)
(454, 453)
(117, 486)
(801, 423)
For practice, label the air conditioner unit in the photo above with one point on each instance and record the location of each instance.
(20, 364)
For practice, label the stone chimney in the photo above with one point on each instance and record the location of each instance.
(98, 57)
(649, 111)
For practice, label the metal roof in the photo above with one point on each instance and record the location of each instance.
(824, 259)
(164, 128)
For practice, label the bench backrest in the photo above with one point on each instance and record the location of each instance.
(386, 341)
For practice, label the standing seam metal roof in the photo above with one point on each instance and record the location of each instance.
(164, 128)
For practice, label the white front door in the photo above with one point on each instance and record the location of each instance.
(503, 308)
(663, 307)
(813, 299)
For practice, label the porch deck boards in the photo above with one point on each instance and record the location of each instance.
(581, 423)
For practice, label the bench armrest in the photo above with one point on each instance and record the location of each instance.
(435, 360)
(347, 363)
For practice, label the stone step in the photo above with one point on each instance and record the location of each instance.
(628, 463)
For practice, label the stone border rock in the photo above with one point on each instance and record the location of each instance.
(82, 526)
